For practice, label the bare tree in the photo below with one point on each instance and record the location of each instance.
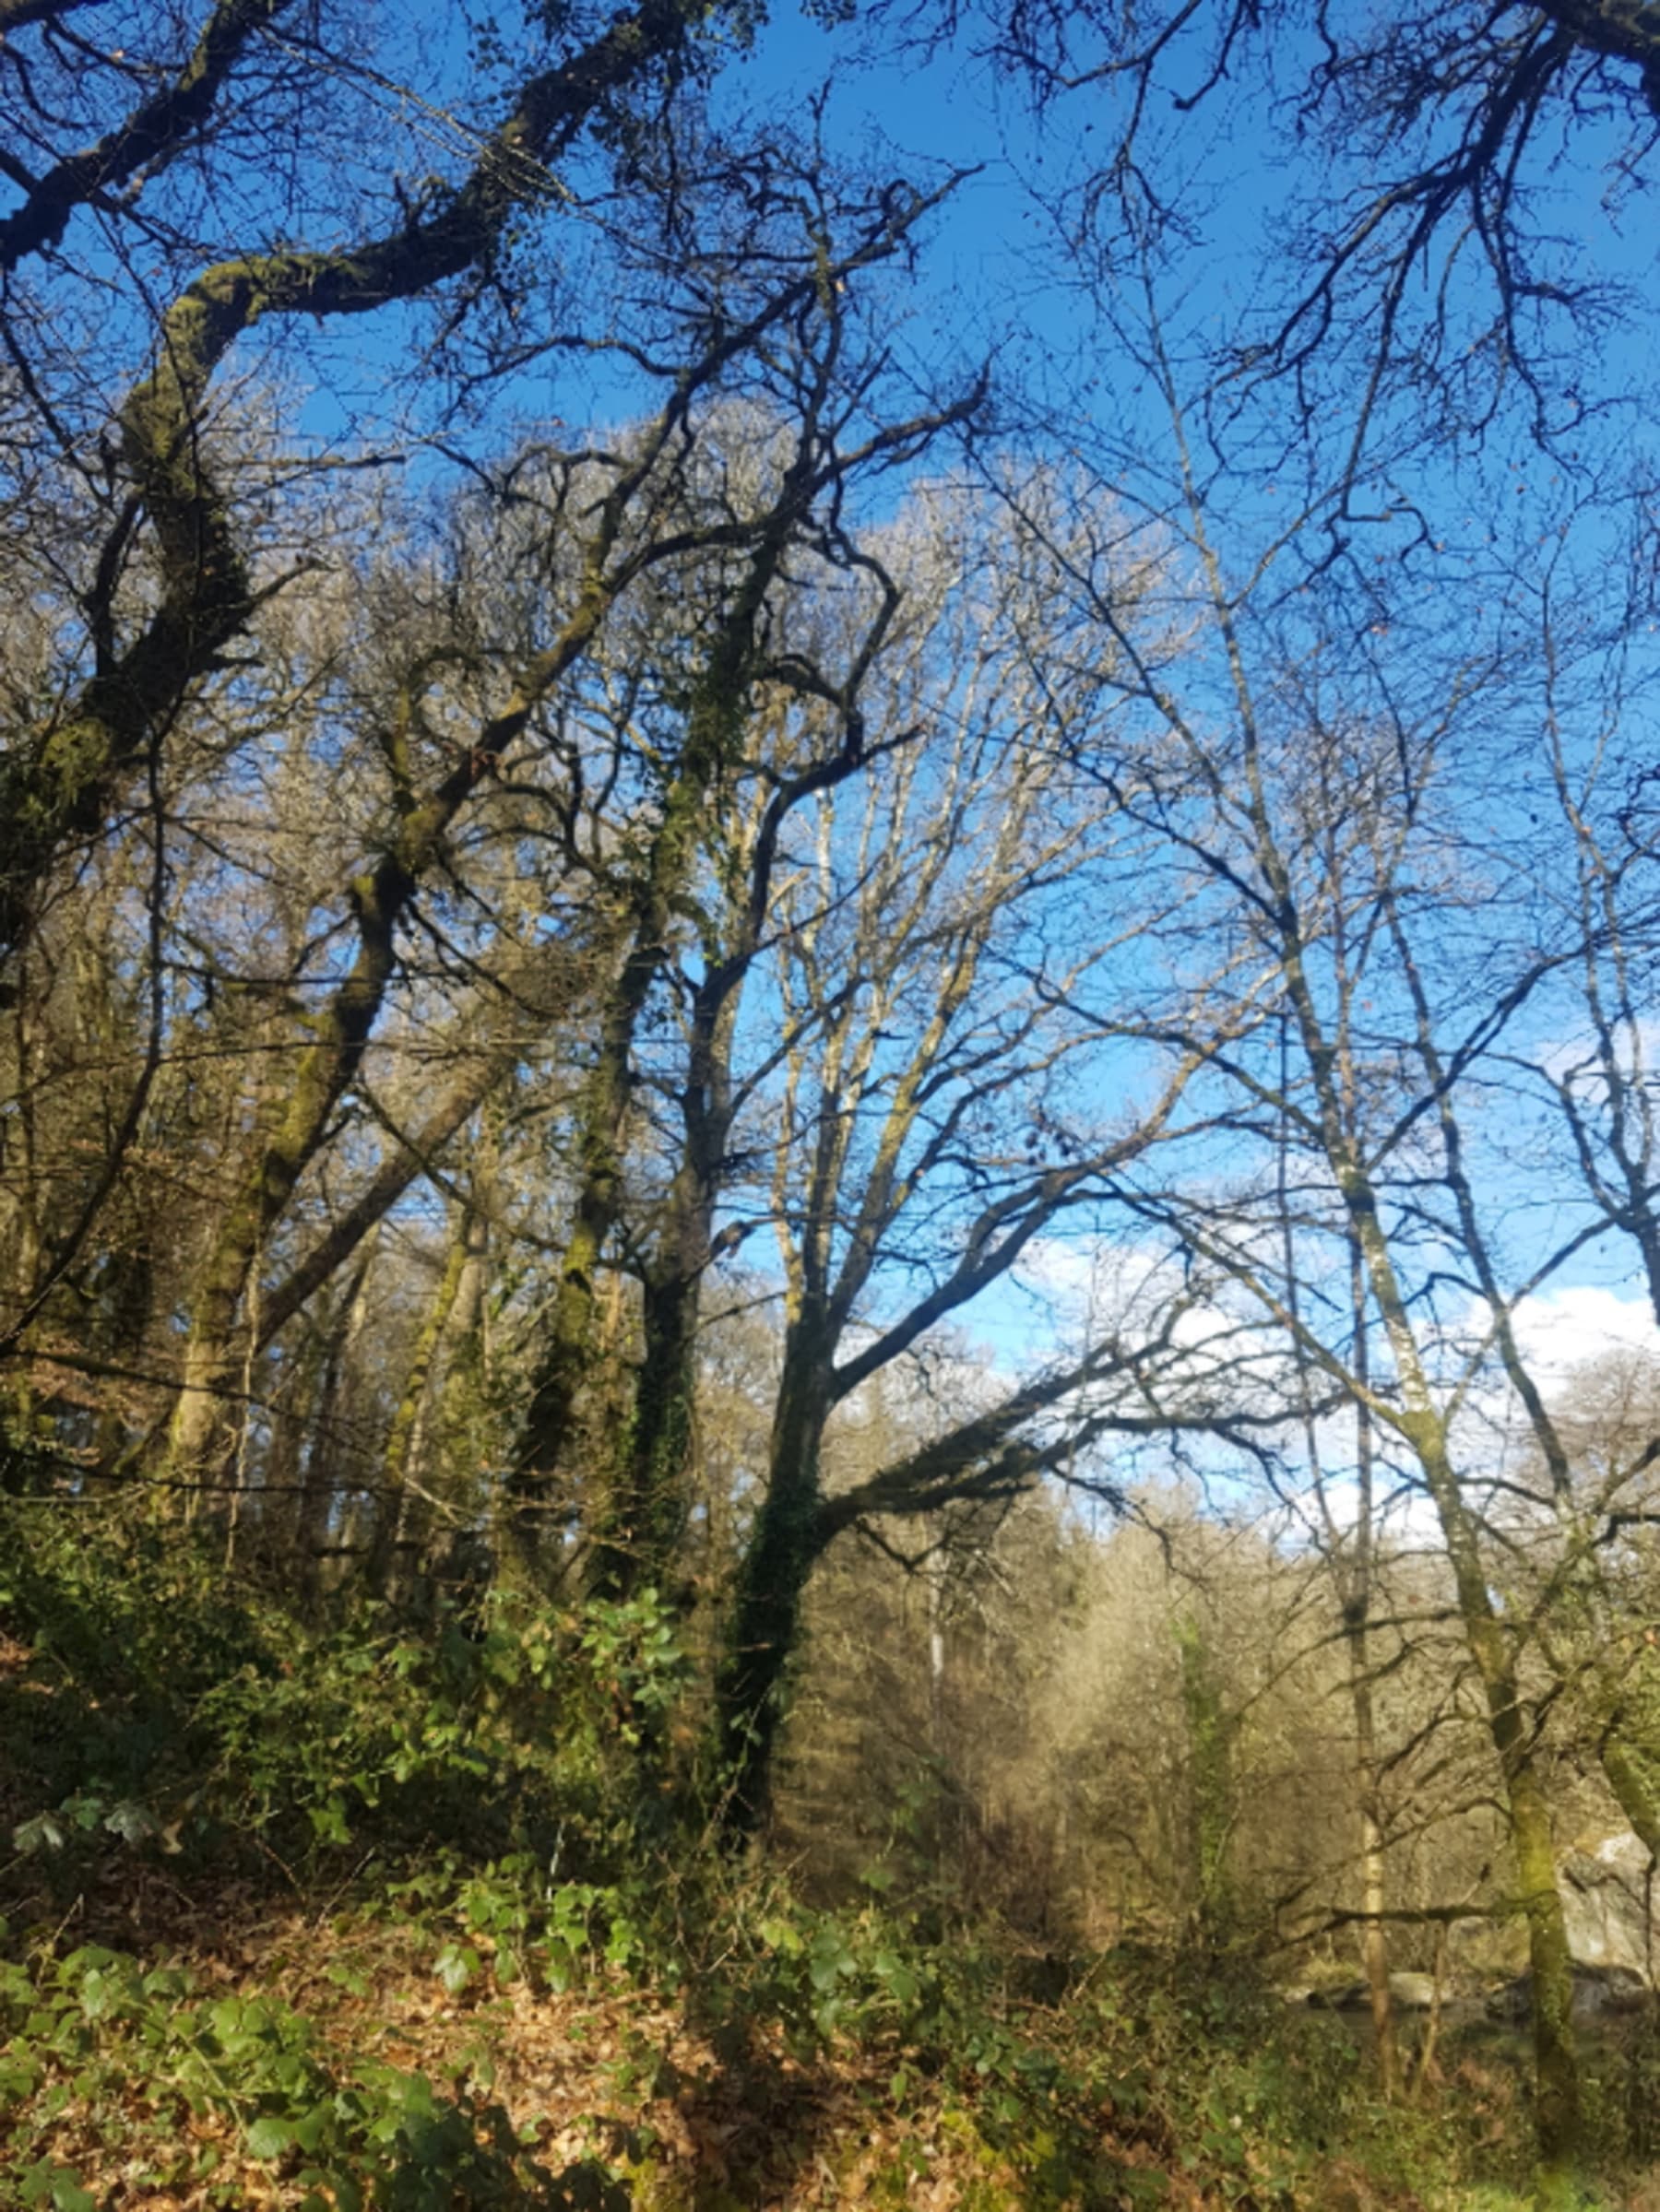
(178, 564)
(818, 458)
(1319, 792)
(622, 512)
(923, 1136)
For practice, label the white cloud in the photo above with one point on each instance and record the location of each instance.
(1564, 1330)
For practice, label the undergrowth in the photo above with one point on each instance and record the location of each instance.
(483, 1981)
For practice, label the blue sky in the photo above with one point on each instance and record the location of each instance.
(991, 279)
(995, 280)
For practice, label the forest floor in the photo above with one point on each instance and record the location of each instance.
(183, 2050)
(366, 1916)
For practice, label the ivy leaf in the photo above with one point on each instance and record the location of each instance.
(41, 1832)
(58, 2185)
(456, 1966)
(131, 1821)
(310, 2130)
(270, 2138)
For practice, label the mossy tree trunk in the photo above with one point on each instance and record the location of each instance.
(784, 1545)
(381, 896)
(648, 1509)
(1423, 1425)
(1303, 951)
(654, 896)
(1636, 1787)
(887, 1068)
(638, 1538)
(403, 1166)
(640, 1503)
(1356, 1572)
(311, 1508)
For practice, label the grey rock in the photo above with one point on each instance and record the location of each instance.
(1611, 1900)
(1414, 1993)
(1348, 1996)
(1411, 1993)
(1599, 1993)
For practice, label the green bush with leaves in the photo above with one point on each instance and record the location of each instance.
(190, 1708)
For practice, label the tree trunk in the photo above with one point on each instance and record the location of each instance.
(716, 723)
(1423, 1427)
(1356, 1592)
(1638, 1796)
(313, 1506)
(643, 1522)
(1374, 1873)
(1556, 2056)
(63, 786)
(786, 1542)
(403, 1166)
(294, 1415)
(545, 1447)
(643, 1516)
(341, 1031)
(401, 1463)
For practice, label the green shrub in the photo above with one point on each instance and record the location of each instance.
(167, 1703)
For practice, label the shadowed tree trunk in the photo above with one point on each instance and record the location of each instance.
(312, 1504)
(907, 1035)
(786, 1542)
(718, 717)
(639, 1536)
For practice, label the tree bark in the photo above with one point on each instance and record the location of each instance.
(312, 1507)
(1556, 2055)
(788, 1535)
(1637, 1795)
(153, 131)
(380, 897)
(401, 1463)
(546, 1441)
(1374, 1879)
(1423, 1427)
(402, 1167)
(1356, 1622)
(341, 1032)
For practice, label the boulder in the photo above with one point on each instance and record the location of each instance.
(1411, 1993)
(1611, 1899)
(1600, 1993)
(1414, 1993)
(1612, 1905)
